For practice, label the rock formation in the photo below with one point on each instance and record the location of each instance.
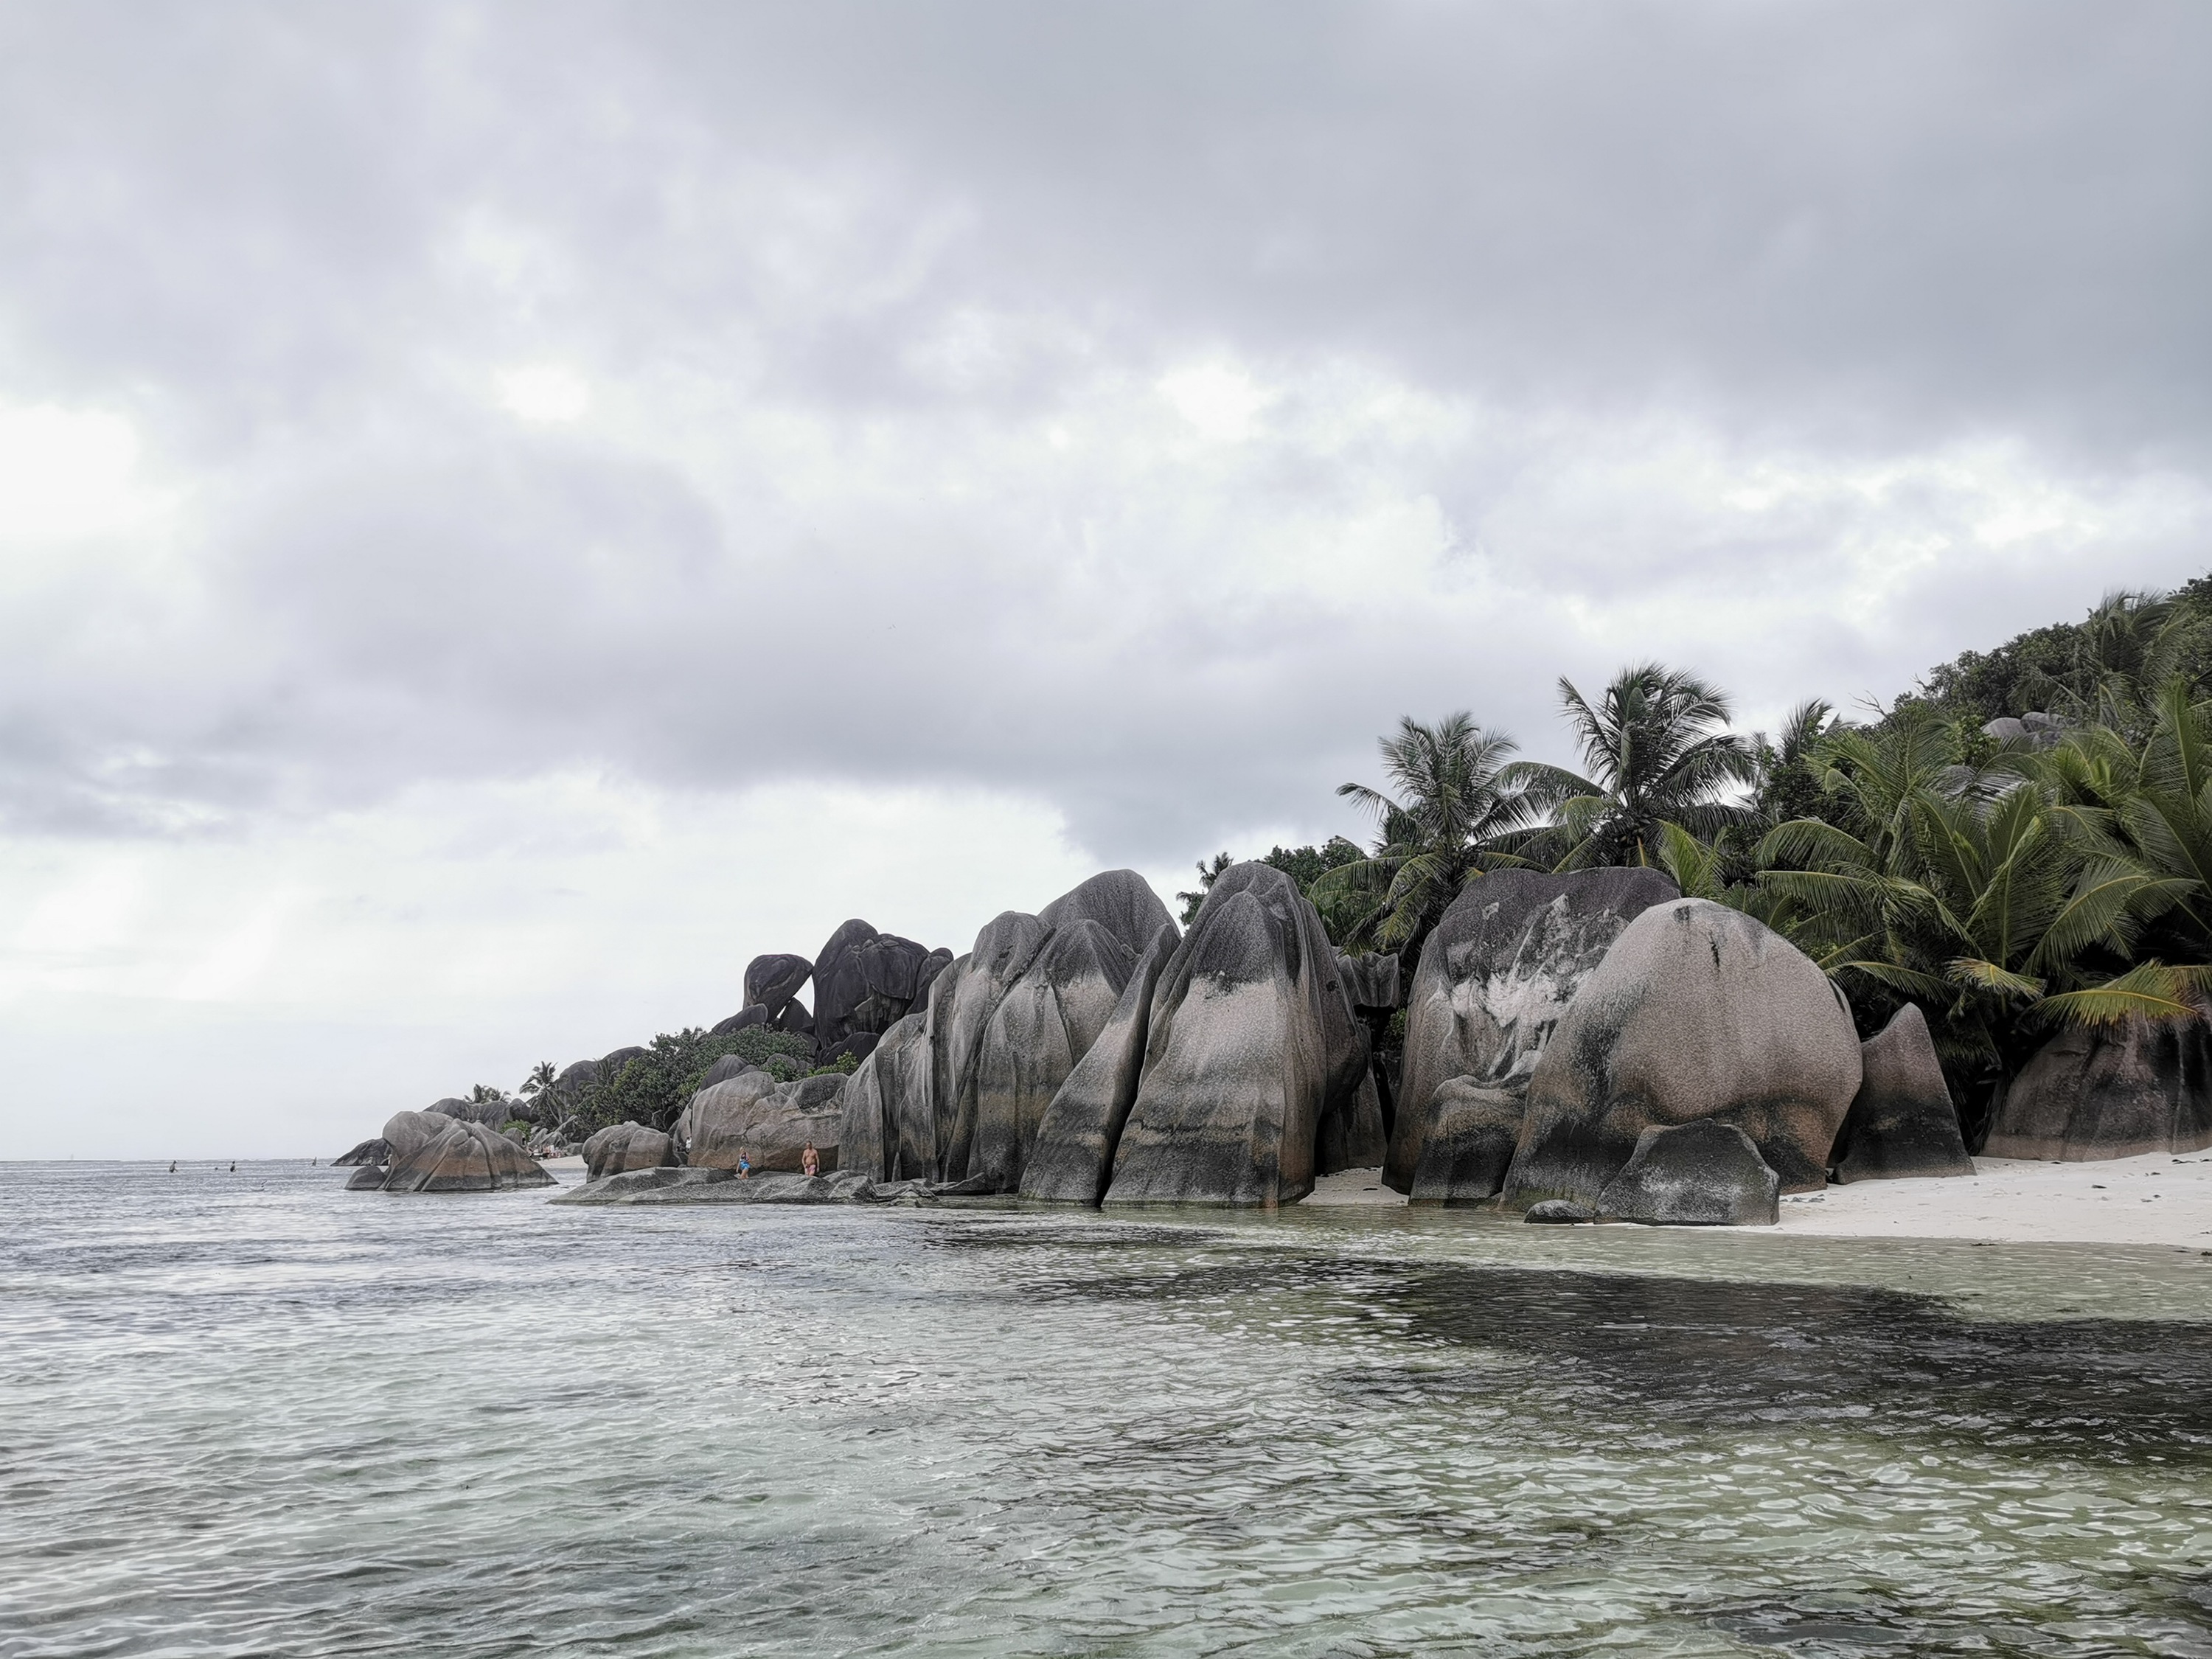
(1696, 1012)
(771, 981)
(1902, 1124)
(769, 1122)
(376, 1152)
(434, 1153)
(2110, 1092)
(1072, 1159)
(691, 1186)
(1251, 1043)
(1705, 1173)
(627, 1146)
(866, 982)
(1469, 1144)
(1494, 980)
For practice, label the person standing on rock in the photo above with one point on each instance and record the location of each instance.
(810, 1160)
(744, 1166)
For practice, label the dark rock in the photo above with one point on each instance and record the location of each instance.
(1251, 1043)
(1706, 1174)
(771, 981)
(460, 1158)
(795, 1017)
(1902, 1125)
(1495, 977)
(1371, 980)
(697, 1186)
(1469, 1145)
(628, 1146)
(612, 1065)
(1072, 1159)
(1697, 1012)
(1121, 901)
(866, 982)
(378, 1150)
(859, 1044)
(368, 1178)
(961, 1003)
(2109, 1091)
(1350, 1135)
(1553, 1212)
(743, 1020)
(575, 1078)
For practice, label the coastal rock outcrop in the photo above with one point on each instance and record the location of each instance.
(2110, 1092)
(434, 1153)
(1251, 1043)
(1902, 1125)
(888, 1132)
(1072, 1159)
(1705, 1173)
(369, 1151)
(707, 1185)
(771, 981)
(1696, 1012)
(771, 1123)
(627, 1146)
(866, 982)
(1496, 977)
(1472, 1134)
(368, 1178)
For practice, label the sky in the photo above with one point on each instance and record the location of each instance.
(508, 512)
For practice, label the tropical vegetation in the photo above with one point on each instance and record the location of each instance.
(2009, 877)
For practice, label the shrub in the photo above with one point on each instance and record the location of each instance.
(653, 1088)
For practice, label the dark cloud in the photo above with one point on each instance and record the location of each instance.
(1727, 331)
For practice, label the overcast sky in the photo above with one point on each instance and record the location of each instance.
(507, 512)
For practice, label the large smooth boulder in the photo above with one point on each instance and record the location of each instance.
(1472, 1132)
(576, 1078)
(727, 1066)
(460, 1158)
(406, 1132)
(1250, 1043)
(368, 1178)
(628, 1146)
(1901, 1125)
(769, 1122)
(773, 981)
(866, 982)
(1372, 980)
(2109, 1091)
(887, 1133)
(368, 1152)
(743, 1020)
(1496, 977)
(1706, 1174)
(612, 1062)
(1072, 1160)
(1696, 1012)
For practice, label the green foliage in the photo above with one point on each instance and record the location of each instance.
(539, 1080)
(1459, 811)
(1656, 751)
(844, 1066)
(1307, 865)
(654, 1087)
(1207, 874)
(2105, 670)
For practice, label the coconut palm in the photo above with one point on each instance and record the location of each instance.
(1657, 751)
(1454, 815)
(2128, 647)
(540, 1079)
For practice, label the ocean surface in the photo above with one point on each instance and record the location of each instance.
(250, 1413)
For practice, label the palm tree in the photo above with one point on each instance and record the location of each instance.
(540, 1079)
(2128, 647)
(1455, 814)
(1207, 875)
(1998, 909)
(1657, 752)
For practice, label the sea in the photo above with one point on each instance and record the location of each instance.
(247, 1412)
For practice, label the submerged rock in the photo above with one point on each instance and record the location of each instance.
(1696, 1012)
(1251, 1042)
(1902, 1125)
(628, 1146)
(368, 1178)
(714, 1186)
(1706, 1174)
(1551, 1213)
(1469, 1144)
(1494, 980)
(2110, 1092)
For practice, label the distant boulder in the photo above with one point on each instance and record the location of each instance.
(1902, 1124)
(378, 1150)
(866, 982)
(1696, 1012)
(1469, 1144)
(770, 1123)
(1251, 1043)
(730, 1066)
(795, 1018)
(458, 1156)
(611, 1064)
(576, 1078)
(1496, 977)
(628, 1146)
(743, 1020)
(2109, 1091)
(1705, 1173)
(368, 1178)
(1371, 980)
(771, 981)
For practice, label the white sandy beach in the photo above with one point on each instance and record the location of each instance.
(2155, 1200)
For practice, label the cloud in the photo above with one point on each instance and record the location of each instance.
(1125, 414)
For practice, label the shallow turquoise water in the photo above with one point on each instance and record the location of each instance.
(254, 1414)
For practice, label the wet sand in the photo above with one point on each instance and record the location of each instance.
(2153, 1200)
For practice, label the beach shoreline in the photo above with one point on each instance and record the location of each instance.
(2158, 1199)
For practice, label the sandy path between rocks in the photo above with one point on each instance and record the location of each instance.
(2154, 1200)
